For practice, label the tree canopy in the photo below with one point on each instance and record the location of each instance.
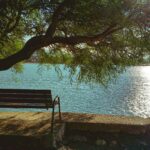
(99, 36)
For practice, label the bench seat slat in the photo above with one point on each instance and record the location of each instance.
(25, 106)
(20, 95)
(24, 100)
(24, 91)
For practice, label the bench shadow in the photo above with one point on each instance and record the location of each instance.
(37, 122)
(34, 126)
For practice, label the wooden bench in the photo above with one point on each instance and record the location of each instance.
(28, 98)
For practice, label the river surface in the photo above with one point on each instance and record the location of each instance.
(128, 95)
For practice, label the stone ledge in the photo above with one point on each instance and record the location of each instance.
(107, 123)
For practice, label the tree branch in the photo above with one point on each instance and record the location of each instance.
(29, 48)
(38, 42)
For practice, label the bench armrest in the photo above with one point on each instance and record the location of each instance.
(56, 100)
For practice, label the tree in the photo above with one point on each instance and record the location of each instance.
(101, 36)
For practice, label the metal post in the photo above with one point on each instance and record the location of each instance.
(52, 121)
(59, 109)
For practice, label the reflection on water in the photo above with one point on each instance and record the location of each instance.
(129, 95)
(139, 95)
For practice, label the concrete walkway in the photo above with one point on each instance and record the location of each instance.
(38, 123)
(36, 126)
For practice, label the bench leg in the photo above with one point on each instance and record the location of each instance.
(52, 120)
(59, 110)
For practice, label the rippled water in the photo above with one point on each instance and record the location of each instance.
(129, 95)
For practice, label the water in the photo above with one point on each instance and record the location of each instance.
(129, 95)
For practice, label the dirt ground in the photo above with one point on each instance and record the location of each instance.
(82, 131)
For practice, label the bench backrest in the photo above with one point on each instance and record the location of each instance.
(25, 98)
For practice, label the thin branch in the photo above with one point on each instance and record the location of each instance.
(55, 19)
(73, 40)
(10, 29)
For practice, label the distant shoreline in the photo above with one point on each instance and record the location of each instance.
(64, 64)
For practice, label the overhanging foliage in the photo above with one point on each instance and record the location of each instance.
(100, 36)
